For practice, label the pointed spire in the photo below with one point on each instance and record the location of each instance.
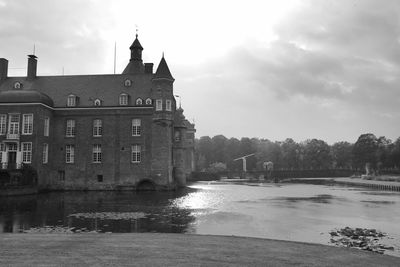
(135, 64)
(163, 71)
(136, 44)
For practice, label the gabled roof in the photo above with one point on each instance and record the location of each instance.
(163, 71)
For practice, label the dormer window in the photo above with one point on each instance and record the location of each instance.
(123, 99)
(148, 101)
(128, 83)
(97, 102)
(71, 101)
(139, 101)
(17, 85)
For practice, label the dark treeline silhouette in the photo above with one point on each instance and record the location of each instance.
(218, 154)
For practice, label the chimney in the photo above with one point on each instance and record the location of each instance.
(32, 65)
(3, 69)
(148, 68)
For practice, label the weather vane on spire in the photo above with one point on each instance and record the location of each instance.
(136, 30)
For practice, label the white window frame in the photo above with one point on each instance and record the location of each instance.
(2, 149)
(70, 130)
(97, 127)
(123, 99)
(13, 126)
(3, 124)
(168, 105)
(27, 124)
(71, 101)
(139, 101)
(46, 127)
(136, 153)
(148, 101)
(26, 152)
(96, 153)
(69, 154)
(159, 105)
(45, 158)
(136, 127)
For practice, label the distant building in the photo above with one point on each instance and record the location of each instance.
(96, 132)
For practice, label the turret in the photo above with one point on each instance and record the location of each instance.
(135, 64)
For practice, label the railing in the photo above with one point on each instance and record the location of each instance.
(12, 136)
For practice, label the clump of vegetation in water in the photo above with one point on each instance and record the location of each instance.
(364, 239)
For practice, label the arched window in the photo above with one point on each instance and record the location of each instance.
(97, 102)
(127, 83)
(148, 101)
(139, 101)
(71, 101)
(123, 99)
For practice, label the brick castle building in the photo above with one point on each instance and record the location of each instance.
(95, 132)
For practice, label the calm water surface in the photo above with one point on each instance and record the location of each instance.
(296, 212)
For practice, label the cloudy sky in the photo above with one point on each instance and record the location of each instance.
(270, 69)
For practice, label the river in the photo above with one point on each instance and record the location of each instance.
(297, 212)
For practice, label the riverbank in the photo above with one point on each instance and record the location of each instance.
(148, 249)
(378, 184)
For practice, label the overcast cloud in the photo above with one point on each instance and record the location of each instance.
(319, 69)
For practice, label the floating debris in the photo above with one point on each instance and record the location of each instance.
(364, 239)
(109, 215)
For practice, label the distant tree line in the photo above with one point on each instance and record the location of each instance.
(218, 154)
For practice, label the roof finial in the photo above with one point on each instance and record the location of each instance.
(163, 54)
(136, 31)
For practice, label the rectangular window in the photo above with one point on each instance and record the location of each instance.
(45, 153)
(71, 101)
(2, 151)
(46, 126)
(13, 127)
(123, 99)
(136, 154)
(27, 152)
(168, 105)
(27, 123)
(97, 153)
(158, 104)
(97, 128)
(136, 127)
(3, 124)
(99, 178)
(69, 154)
(70, 130)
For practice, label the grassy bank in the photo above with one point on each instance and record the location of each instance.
(146, 249)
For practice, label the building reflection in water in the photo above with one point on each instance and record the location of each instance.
(54, 210)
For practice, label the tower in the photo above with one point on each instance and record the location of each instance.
(135, 63)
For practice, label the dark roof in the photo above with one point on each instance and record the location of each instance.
(25, 96)
(163, 70)
(136, 44)
(86, 87)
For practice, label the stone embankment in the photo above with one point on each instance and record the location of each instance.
(380, 185)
